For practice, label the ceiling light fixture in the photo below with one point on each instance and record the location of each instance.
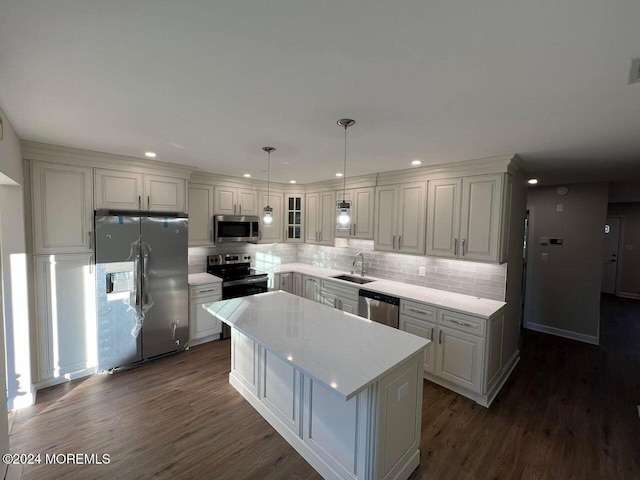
(267, 218)
(247, 175)
(532, 181)
(150, 154)
(292, 181)
(416, 162)
(344, 207)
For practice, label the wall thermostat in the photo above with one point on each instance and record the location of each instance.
(562, 191)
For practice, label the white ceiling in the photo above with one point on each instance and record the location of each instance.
(208, 84)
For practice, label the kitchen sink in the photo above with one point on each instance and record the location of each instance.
(350, 278)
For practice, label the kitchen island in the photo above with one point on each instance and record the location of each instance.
(345, 392)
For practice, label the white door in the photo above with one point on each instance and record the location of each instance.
(273, 233)
(200, 214)
(424, 330)
(412, 215)
(458, 358)
(248, 202)
(225, 201)
(327, 218)
(364, 199)
(311, 289)
(286, 282)
(348, 305)
(385, 226)
(313, 206)
(480, 226)
(202, 323)
(443, 217)
(298, 284)
(164, 194)
(611, 243)
(118, 190)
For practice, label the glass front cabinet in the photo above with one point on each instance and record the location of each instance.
(294, 224)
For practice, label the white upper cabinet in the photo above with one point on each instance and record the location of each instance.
(320, 217)
(294, 218)
(362, 208)
(235, 201)
(200, 214)
(274, 233)
(62, 208)
(120, 190)
(443, 217)
(465, 218)
(400, 218)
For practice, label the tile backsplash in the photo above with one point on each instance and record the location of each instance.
(471, 278)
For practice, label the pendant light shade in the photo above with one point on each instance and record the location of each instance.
(343, 221)
(267, 212)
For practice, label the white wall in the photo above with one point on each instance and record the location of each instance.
(13, 263)
(563, 292)
(628, 281)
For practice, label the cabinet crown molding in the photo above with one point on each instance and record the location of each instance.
(88, 158)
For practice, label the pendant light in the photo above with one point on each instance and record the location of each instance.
(343, 221)
(267, 217)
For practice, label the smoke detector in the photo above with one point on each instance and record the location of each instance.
(634, 74)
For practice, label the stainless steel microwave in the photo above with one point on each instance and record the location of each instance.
(236, 228)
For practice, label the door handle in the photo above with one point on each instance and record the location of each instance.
(148, 202)
(139, 202)
(335, 303)
(464, 241)
(89, 239)
(455, 246)
(145, 279)
(234, 208)
(173, 333)
(394, 242)
(440, 337)
(431, 334)
(211, 234)
(399, 242)
(240, 209)
(136, 274)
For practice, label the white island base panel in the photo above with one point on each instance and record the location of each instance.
(373, 435)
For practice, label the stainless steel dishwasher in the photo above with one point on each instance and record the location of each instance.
(379, 308)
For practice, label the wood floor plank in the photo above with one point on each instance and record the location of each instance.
(568, 411)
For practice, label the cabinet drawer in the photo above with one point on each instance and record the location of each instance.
(418, 310)
(205, 290)
(462, 323)
(340, 290)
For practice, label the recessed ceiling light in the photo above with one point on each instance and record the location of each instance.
(247, 175)
(292, 181)
(532, 181)
(416, 162)
(150, 154)
(338, 174)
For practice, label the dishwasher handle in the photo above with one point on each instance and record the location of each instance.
(381, 297)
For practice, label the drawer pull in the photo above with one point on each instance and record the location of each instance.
(464, 324)
(206, 291)
(417, 311)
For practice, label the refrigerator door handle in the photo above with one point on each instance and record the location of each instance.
(145, 280)
(173, 334)
(136, 274)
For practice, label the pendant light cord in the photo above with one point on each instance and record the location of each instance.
(344, 172)
(268, 173)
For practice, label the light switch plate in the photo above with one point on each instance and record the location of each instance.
(559, 207)
(544, 257)
(422, 271)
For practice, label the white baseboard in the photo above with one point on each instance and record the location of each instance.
(559, 332)
(50, 382)
(506, 373)
(24, 401)
(633, 296)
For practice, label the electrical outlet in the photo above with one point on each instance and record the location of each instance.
(559, 207)
(422, 271)
(544, 257)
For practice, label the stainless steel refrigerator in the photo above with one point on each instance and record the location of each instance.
(142, 286)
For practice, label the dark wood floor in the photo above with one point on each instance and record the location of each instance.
(569, 411)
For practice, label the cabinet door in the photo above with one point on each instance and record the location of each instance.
(424, 330)
(298, 284)
(225, 201)
(312, 289)
(385, 226)
(66, 322)
(412, 218)
(329, 299)
(200, 214)
(164, 194)
(62, 208)
(312, 235)
(294, 219)
(286, 282)
(443, 217)
(203, 324)
(459, 358)
(363, 222)
(118, 190)
(248, 202)
(274, 232)
(480, 229)
(348, 305)
(327, 218)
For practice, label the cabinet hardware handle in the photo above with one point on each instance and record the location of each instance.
(139, 202)
(455, 247)
(206, 291)
(440, 337)
(416, 311)
(89, 238)
(399, 242)
(286, 234)
(464, 324)
(240, 209)
(320, 235)
(335, 303)
(234, 208)
(431, 334)
(394, 242)
(148, 202)
(211, 234)
(354, 229)
(260, 235)
(464, 241)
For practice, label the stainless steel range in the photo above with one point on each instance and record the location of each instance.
(238, 278)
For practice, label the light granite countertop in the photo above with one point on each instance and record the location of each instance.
(202, 279)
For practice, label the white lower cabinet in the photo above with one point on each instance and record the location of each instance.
(339, 296)
(203, 327)
(311, 288)
(298, 284)
(65, 317)
(465, 353)
(286, 282)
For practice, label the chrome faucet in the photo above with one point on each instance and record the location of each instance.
(363, 269)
